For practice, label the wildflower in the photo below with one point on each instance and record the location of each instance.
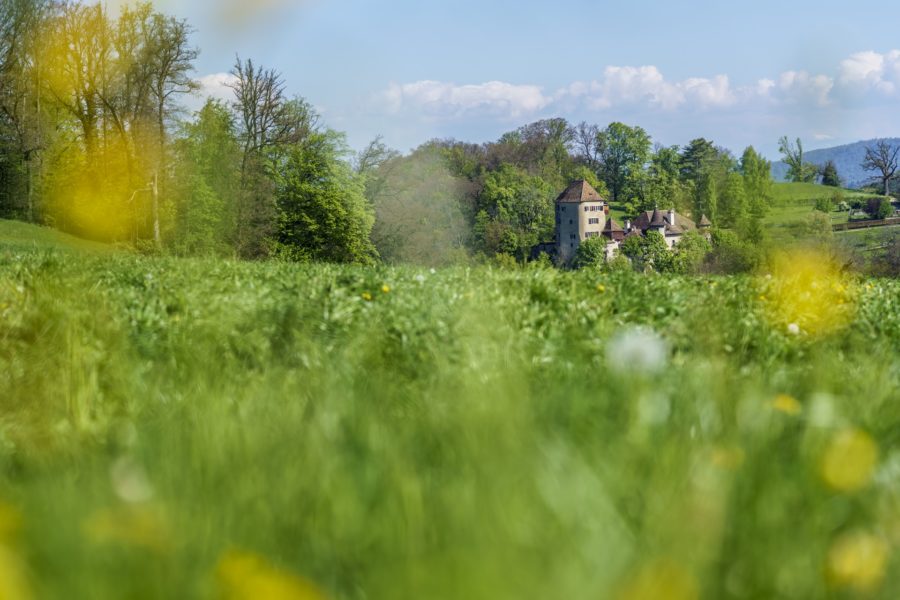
(762, 298)
(420, 278)
(385, 289)
(601, 288)
(793, 329)
(787, 404)
(367, 296)
(246, 576)
(637, 349)
(857, 561)
(849, 461)
(661, 579)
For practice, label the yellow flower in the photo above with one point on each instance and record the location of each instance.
(787, 404)
(660, 580)
(762, 298)
(601, 288)
(246, 576)
(367, 296)
(386, 289)
(849, 460)
(857, 560)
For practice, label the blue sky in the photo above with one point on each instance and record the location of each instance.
(738, 73)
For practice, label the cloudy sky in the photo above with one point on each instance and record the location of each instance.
(738, 73)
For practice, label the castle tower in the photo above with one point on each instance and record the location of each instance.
(580, 214)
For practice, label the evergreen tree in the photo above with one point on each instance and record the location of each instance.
(830, 175)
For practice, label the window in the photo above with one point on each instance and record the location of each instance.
(571, 222)
(593, 221)
(585, 209)
(562, 208)
(592, 234)
(573, 236)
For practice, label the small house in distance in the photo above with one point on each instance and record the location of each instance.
(581, 213)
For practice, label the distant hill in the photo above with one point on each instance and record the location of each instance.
(847, 158)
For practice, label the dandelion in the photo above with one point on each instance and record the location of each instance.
(420, 278)
(246, 576)
(793, 329)
(857, 561)
(385, 289)
(637, 349)
(601, 288)
(367, 296)
(129, 481)
(787, 404)
(849, 461)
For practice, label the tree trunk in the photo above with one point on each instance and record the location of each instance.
(155, 191)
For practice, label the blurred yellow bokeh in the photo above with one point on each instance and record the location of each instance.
(787, 404)
(661, 580)
(849, 460)
(247, 576)
(139, 526)
(808, 293)
(857, 561)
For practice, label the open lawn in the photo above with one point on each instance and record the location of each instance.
(193, 429)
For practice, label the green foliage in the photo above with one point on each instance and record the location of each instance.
(648, 252)
(799, 171)
(690, 253)
(623, 152)
(830, 175)
(591, 253)
(322, 210)
(730, 254)
(879, 208)
(825, 205)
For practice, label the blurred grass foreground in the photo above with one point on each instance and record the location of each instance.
(208, 429)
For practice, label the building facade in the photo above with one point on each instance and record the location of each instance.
(581, 213)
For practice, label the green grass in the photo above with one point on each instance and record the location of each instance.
(467, 433)
(808, 193)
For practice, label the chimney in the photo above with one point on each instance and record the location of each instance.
(672, 217)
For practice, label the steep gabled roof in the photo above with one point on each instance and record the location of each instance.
(704, 222)
(648, 219)
(612, 226)
(580, 191)
(656, 219)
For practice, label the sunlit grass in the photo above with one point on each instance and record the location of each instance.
(206, 429)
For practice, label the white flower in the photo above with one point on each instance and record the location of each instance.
(420, 278)
(793, 329)
(637, 349)
(129, 481)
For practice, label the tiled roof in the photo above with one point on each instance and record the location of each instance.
(612, 226)
(646, 220)
(580, 191)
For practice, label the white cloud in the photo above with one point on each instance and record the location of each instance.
(870, 70)
(646, 87)
(625, 86)
(439, 99)
(216, 85)
(799, 87)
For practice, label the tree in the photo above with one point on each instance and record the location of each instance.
(321, 206)
(757, 174)
(879, 208)
(591, 253)
(648, 252)
(207, 182)
(690, 253)
(799, 171)
(623, 152)
(732, 204)
(830, 175)
(882, 158)
(696, 158)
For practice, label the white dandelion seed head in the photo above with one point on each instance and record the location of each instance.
(637, 349)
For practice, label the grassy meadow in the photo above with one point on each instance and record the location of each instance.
(211, 429)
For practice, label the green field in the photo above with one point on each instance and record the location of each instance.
(204, 429)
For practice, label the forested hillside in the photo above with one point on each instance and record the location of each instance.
(847, 158)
